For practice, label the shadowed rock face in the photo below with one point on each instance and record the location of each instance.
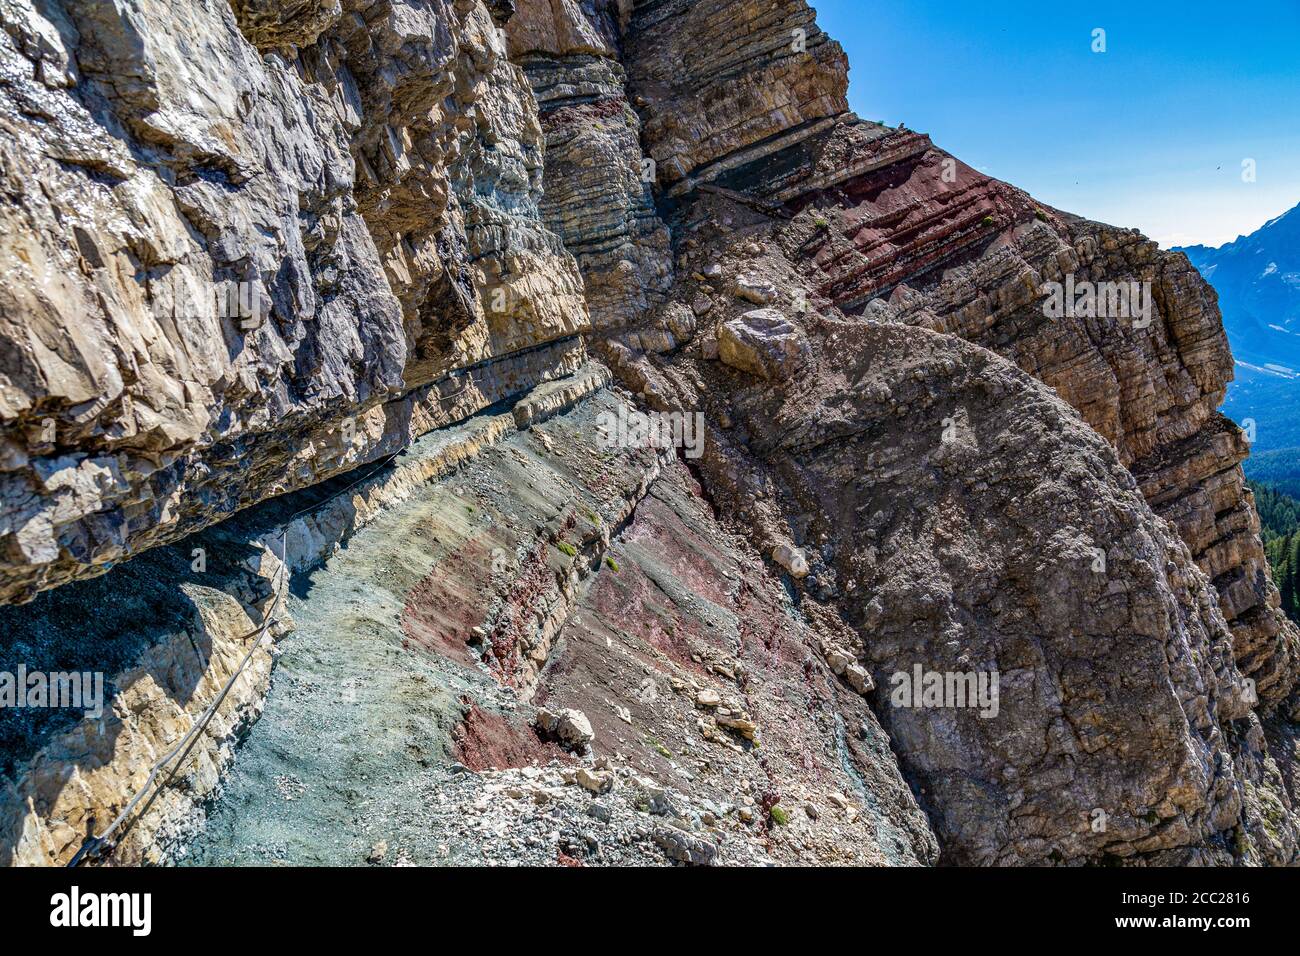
(952, 508)
(965, 521)
(416, 209)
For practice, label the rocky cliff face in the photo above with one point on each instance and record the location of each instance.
(235, 274)
(1149, 385)
(345, 225)
(598, 195)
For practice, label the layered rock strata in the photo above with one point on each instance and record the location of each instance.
(550, 573)
(753, 79)
(882, 215)
(598, 196)
(171, 628)
(975, 258)
(353, 223)
(846, 218)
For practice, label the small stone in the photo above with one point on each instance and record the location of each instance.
(755, 290)
(684, 848)
(597, 781)
(709, 345)
(378, 852)
(875, 613)
(708, 698)
(838, 660)
(859, 679)
(763, 343)
(792, 559)
(739, 723)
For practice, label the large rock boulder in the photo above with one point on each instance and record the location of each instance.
(570, 727)
(763, 343)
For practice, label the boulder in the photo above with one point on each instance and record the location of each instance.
(755, 290)
(838, 660)
(597, 781)
(792, 559)
(859, 679)
(737, 721)
(570, 727)
(685, 848)
(764, 343)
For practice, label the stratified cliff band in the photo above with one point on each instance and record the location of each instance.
(276, 274)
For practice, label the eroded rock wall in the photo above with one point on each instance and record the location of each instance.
(820, 220)
(744, 80)
(750, 98)
(164, 640)
(549, 570)
(418, 208)
(598, 186)
(234, 274)
(954, 251)
(172, 626)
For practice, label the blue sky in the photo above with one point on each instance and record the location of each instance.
(1152, 133)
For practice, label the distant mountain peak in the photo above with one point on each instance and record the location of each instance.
(1274, 222)
(1258, 281)
(1256, 278)
(1286, 224)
